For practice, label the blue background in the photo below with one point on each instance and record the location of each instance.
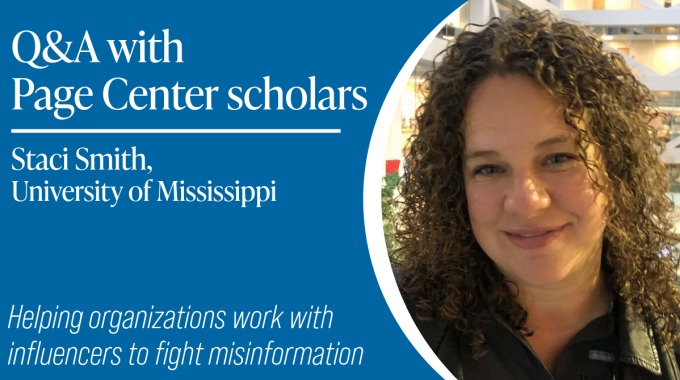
(307, 248)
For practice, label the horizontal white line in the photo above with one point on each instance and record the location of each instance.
(175, 131)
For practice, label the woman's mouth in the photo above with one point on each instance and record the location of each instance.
(534, 234)
(534, 237)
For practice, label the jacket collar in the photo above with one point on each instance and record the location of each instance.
(636, 339)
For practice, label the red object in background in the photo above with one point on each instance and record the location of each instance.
(391, 166)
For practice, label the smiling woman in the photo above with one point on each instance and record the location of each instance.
(532, 206)
(535, 213)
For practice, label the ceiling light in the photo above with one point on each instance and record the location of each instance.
(672, 38)
(607, 37)
(451, 38)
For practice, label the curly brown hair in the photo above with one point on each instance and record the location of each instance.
(447, 275)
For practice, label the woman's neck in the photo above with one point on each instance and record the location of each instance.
(556, 313)
(566, 306)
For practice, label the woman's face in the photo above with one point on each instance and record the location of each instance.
(532, 205)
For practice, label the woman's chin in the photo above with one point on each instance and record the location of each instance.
(538, 277)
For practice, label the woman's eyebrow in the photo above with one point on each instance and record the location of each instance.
(481, 153)
(553, 141)
(542, 144)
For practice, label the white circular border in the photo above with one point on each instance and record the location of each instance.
(373, 211)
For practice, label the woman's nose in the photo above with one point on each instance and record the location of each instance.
(527, 196)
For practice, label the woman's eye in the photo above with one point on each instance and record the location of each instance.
(559, 158)
(486, 170)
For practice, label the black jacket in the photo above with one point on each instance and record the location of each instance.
(641, 355)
